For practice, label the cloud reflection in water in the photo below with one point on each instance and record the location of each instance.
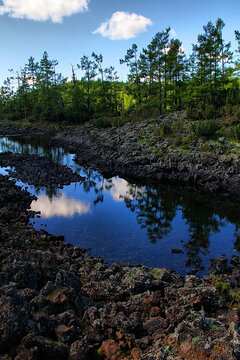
(61, 206)
(122, 190)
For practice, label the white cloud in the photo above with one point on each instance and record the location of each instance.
(42, 10)
(61, 206)
(123, 25)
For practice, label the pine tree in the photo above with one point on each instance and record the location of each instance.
(103, 72)
(89, 67)
(132, 60)
(146, 68)
(211, 56)
(31, 70)
(159, 47)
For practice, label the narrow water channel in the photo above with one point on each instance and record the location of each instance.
(123, 221)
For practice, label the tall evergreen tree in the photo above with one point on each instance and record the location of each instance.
(159, 48)
(89, 67)
(132, 60)
(98, 63)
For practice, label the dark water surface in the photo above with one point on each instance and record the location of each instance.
(126, 222)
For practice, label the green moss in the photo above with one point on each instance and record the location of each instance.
(156, 273)
(206, 147)
(145, 141)
(222, 287)
(232, 295)
(213, 326)
(170, 350)
(195, 340)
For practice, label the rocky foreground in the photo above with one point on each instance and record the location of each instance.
(58, 302)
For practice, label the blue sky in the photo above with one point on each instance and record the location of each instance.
(69, 29)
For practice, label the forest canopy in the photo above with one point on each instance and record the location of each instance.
(161, 79)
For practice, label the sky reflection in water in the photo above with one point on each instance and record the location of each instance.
(126, 222)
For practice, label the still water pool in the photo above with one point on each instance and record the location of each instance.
(127, 222)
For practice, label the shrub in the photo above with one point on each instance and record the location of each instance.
(235, 115)
(186, 142)
(205, 128)
(235, 132)
(162, 130)
(209, 111)
(146, 111)
(193, 113)
(102, 122)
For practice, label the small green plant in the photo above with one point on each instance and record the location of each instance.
(163, 130)
(178, 126)
(235, 132)
(206, 147)
(170, 350)
(232, 295)
(102, 122)
(195, 340)
(235, 297)
(145, 141)
(209, 111)
(178, 140)
(155, 273)
(186, 142)
(205, 128)
(222, 288)
(213, 326)
(193, 113)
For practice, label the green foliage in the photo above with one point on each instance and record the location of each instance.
(102, 122)
(170, 350)
(209, 112)
(222, 288)
(205, 128)
(195, 340)
(235, 114)
(186, 141)
(145, 141)
(161, 79)
(235, 132)
(163, 130)
(148, 110)
(193, 113)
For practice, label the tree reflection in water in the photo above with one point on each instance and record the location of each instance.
(204, 215)
(155, 210)
(36, 144)
(94, 180)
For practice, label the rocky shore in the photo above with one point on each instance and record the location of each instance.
(58, 302)
(38, 170)
(137, 151)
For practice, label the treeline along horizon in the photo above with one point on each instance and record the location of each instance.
(161, 79)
